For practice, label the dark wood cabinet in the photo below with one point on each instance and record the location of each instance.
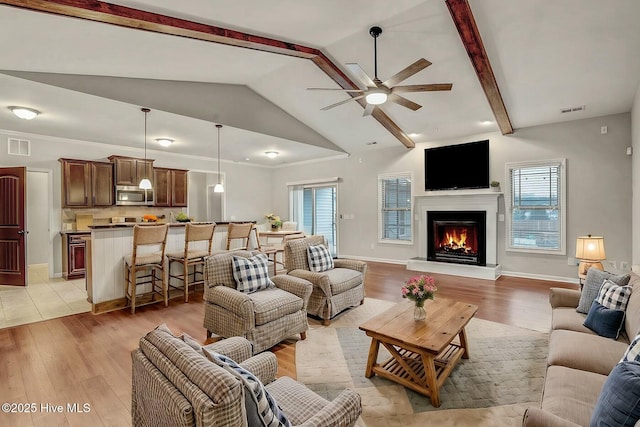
(130, 171)
(170, 187)
(86, 183)
(73, 254)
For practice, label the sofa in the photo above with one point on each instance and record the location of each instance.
(579, 360)
(176, 382)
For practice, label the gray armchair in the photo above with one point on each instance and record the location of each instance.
(334, 290)
(175, 383)
(264, 317)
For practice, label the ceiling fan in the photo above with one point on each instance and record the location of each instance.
(379, 92)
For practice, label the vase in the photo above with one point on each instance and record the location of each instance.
(419, 312)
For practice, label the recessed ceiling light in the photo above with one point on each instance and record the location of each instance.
(414, 135)
(372, 143)
(246, 159)
(24, 112)
(165, 142)
(271, 154)
(486, 122)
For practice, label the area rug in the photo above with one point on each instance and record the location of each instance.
(504, 374)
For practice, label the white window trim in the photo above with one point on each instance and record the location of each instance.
(380, 225)
(563, 203)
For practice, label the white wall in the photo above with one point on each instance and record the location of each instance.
(635, 143)
(37, 217)
(248, 188)
(598, 195)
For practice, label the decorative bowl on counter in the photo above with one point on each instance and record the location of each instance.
(182, 217)
(149, 218)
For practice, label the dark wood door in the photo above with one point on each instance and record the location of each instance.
(76, 183)
(76, 260)
(179, 188)
(102, 183)
(13, 236)
(162, 187)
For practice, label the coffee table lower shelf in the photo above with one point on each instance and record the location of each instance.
(410, 368)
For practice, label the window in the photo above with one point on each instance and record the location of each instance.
(536, 219)
(394, 201)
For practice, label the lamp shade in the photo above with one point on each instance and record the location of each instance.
(590, 248)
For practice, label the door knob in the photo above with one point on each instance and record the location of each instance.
(21, 232)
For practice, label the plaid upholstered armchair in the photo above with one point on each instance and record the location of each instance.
(265, 316)
(338, 284)
(176, 382)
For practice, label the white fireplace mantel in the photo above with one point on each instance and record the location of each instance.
(460, 200)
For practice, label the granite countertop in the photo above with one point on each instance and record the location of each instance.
(75, 231)
(172, 224)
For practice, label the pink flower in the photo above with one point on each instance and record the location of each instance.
(404, 291)
(419, 288)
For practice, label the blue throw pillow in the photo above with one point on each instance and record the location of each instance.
(604, 321)
(619, 401)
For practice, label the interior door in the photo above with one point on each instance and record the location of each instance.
(13, 241)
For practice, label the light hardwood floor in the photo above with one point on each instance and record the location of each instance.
(84, 358)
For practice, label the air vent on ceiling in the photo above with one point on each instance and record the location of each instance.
(573, 109)
(19, 147)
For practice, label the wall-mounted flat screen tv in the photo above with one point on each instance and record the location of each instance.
(455, 167)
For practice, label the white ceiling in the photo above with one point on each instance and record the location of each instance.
(545, 56)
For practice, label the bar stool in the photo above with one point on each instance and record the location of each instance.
(144, 258)
(192, 257)
(239, 231)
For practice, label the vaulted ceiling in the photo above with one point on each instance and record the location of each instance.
(90, 77)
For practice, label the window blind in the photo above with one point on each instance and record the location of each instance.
(395, 208)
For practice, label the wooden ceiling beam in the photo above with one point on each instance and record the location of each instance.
(148, 21)
(470, 36)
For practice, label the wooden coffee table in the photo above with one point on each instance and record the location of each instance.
(423, 353)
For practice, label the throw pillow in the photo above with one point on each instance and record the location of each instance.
(619, 400)
(614, 296)
(251, 274)
(632, 353)
(593, 283)
(319, 258)
(604, 321)
(260, 405)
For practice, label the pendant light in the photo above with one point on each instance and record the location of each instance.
(145, 184)
(219, 188)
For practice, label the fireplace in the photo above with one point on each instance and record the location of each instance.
(457, 237)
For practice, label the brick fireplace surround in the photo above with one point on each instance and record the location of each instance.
(460, 200)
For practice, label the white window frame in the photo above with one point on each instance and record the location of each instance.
(508, 194)
(381, 179)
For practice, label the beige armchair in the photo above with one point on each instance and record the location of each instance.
(334, 290)
(265, 317)
(175, 383)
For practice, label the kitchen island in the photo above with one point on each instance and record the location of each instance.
(105, 266)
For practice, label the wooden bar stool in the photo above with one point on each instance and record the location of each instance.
(192, 257)
(149, 243)
(239, 231)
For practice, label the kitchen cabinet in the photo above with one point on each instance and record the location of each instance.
(73, 254)
(86, 183)
(170, 187)
(130, 171)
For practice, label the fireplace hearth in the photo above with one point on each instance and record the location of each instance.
(457, 237)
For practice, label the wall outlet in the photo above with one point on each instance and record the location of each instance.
(624, 265)
(614, 264)
(572, 261)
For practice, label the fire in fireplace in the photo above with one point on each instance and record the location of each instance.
(457, 237)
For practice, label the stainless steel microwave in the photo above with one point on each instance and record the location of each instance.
(130, 195)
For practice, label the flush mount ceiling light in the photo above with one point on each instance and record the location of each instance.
(218, 188)
(145, 183)
(24, 113)
(165, 142)
(271, 154)
(376, 97)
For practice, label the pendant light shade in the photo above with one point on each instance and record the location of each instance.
(218, 188)
(145, 183)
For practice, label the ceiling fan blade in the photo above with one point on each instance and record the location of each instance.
(419, 65)
(363, 77)
(401, 100)
(342, 102)
(368, 110)
(422, 88)
(341, 90)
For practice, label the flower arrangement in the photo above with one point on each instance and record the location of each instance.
(149, 218)
(274, 220)
(419, 289)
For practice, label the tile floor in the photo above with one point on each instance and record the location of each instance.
(43, 298)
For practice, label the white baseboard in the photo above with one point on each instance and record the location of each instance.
(362, 258)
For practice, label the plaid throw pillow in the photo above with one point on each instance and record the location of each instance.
(632, 354)
(319, 258)
(259, 404)
(251, 274)
(614, 296)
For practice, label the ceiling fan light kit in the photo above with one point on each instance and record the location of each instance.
(378, 92)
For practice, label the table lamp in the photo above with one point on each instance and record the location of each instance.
(590, 251)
